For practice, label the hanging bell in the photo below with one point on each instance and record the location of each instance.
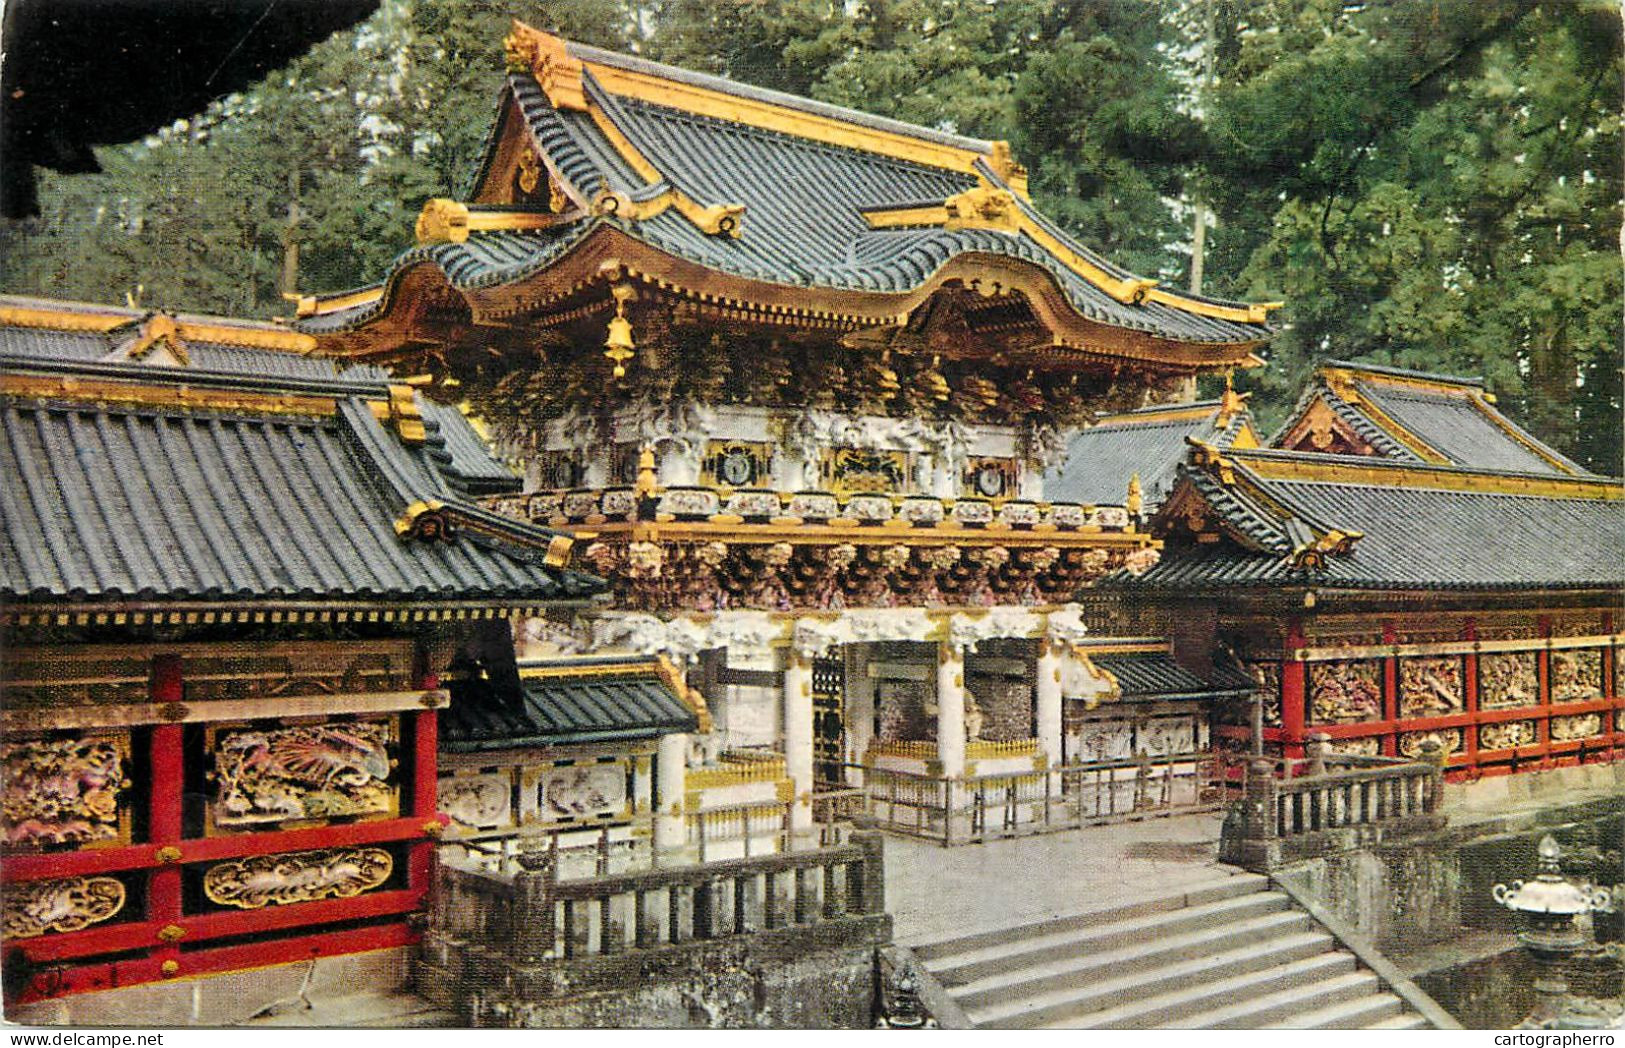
(618, 346)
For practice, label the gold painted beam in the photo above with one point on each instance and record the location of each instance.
(1387, 473)
(1455, 647)
(110, 391)
(53, 718)
(448, 221)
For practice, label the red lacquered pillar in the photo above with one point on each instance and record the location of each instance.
(1390, 693)
(425, 728)
(1469, 731)
(164, 799)
(1292, 693)
(1543, 723)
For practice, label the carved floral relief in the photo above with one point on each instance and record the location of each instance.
(1345, 692)
(1507, 735)
(1579, 726)
(476, 802)
(310, 771)
(1268, 676)
(34, 908)
(1576, 675)
(63, 790)
(1429, 687)
(576, 791)
(1410, 742)
(1508, 679)
(292, 877)
(1370, 746)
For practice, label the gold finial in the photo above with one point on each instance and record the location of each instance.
(132, 299)
(1135, 500)
(618, 346)
(646, 470)
(1231, 403)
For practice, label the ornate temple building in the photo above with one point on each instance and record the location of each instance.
(1404, 564)
(815, 473)
(230, 576)
(796, 375)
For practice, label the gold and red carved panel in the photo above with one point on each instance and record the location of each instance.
(1576, 675)
(1430, 687)
(70, 904)
(1369, 746)
(65, 790)
(271, 776)
(1507, 680)
(1411, 743)
(1268, 677)
(1577, 726)
(1507, 735)
(293, 877)
(1345, 692)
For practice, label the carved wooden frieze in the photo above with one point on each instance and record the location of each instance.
(1576, 675)
(477, 801)
(1268, 676)
(65, 790)
(1430, 687)
(267, 775)
(1579, 726)
(572, 790)
(292, 877)
(1411, 742)
(1370, 746)
(1507, 735)
(1345, 692)
(35, 908)
(779, 576)
(1508, 679)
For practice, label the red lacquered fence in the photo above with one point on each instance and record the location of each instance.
(174, 933)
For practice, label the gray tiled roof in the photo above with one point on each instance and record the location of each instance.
(110, 501)
(1101, 459)
(1155, 675)
(619, 699)
(1412, 536)
(1458, 430)
(804, 200)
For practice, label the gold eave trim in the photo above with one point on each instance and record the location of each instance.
(981, 208)
(1440, 386)
(187, 329)
(767, 116)
(1481, 401)
(51, 718)
(448, 221)
(189, 613)
(106, 391)
(577, 671)
(1378, 473)
(1157, 418)
(318, 305)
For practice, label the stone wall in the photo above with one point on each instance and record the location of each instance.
(778, 980)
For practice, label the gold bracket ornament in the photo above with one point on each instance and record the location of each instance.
(173, 711)
(167, 854)
(171, 933)
(171, 967)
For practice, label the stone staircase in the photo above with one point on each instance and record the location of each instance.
(1226, 954)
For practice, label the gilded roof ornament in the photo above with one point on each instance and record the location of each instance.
(547, 58)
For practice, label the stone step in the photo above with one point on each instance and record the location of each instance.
(1060, 1007)
(1032, 950)
(1198, 997)
(1225, 886)
(1081, 966)
(1282, 1005)
(1346, 1015)
(1402, 1021)
(380, 1010)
